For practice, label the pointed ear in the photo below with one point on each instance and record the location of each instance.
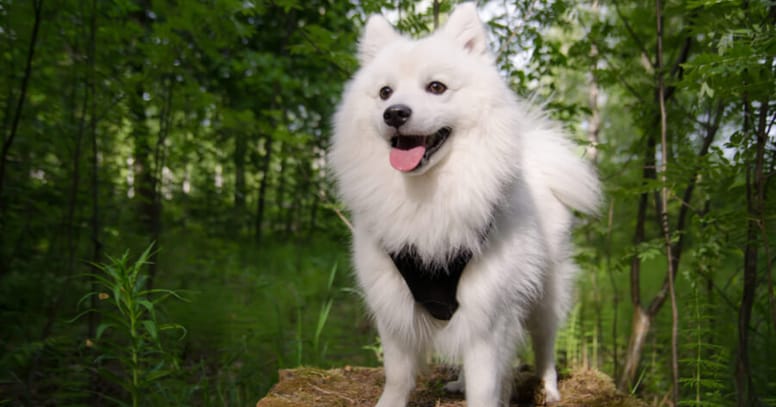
(377, 34)
(465, 27)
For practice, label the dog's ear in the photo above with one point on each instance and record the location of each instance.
(377, 33)
(465, 27)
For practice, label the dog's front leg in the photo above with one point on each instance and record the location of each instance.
(488, 375)
(401, 362)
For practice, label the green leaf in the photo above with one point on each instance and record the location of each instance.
(101, 329)
(150, 327)
(148, 305)
(706, 90)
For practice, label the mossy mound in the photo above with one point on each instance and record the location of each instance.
(359, 386)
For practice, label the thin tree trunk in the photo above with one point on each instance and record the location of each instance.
(664, 206)
(260, 202)
(593, 131)
(280, 192)
(615, 289)
(594, 125)
(640, 318)
(744, 389)
(313, 212)
(290, 214)
(144, 185)
(72, 235)
(37, 6)
(238, 157)
(755, 197)
(95, 179)
(157, 180)
(143, 179)
(628, 376)
(640, 325)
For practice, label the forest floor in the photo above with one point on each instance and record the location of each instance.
(360, 386)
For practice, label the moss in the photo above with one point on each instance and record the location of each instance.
(358, 386)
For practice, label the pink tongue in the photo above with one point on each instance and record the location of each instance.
(407, 160)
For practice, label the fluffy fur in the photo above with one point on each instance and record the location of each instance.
(505, 169)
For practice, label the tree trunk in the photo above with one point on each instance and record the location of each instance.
(663, 205)
(755, 197)
(640, 325)
(594, 125)
(143, 173)
(635, 345)
(743, 378)
(75, 180)
(292, 212)
(37, 6)
(313, 213)
(280, 192)
(95, 178)
(648, 173)
(260, 202)
(141, 134)
(160, 155)
(240, 148)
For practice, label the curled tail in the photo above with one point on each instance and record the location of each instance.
(570, 177)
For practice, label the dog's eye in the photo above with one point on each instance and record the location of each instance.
(385, 92)
(436, 87)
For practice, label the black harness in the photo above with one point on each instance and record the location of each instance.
(434, 285)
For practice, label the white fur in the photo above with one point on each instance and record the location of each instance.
(504, 164)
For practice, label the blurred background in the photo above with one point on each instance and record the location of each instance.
(169, 234)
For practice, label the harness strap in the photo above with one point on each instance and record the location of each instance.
(433, 286)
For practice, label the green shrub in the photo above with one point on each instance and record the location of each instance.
(131, 342)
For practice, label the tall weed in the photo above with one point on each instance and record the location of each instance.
(132, 343)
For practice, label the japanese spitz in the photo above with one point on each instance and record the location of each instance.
(461, 197)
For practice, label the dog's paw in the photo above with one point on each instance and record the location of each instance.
(456, 386)
(551, 394)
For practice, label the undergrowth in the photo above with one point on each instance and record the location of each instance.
(225, 316)
(131, 342)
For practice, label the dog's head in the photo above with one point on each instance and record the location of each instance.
(419, 95)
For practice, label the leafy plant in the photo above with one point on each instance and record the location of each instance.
(318, 349)
(131, 347)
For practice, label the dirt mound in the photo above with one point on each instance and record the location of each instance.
(359, 386)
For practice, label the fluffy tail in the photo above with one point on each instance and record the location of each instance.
(572, 179)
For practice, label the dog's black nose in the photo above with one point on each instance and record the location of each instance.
(396, 115)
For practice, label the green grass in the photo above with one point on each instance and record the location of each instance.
(253, 310)
(249, 310)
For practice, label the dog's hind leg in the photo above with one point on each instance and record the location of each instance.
(545, 321)
(544, 348)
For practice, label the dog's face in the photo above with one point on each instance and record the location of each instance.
(418, 95)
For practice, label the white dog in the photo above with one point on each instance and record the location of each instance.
(461, 197)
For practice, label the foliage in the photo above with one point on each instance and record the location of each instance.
(131, 336)
(203, 127)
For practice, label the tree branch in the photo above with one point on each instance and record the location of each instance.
(633, 35)
(685, 210)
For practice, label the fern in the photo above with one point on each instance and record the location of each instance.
(708, 382)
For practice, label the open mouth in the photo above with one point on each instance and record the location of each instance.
(410, 152)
